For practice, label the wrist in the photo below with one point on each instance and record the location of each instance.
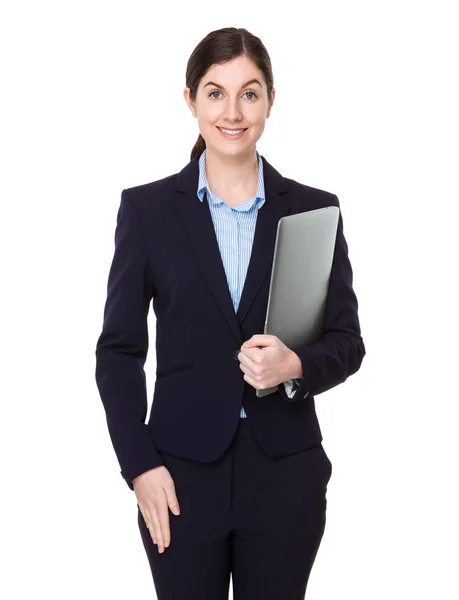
(295, 368)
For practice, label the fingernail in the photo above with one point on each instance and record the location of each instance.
(176, 510)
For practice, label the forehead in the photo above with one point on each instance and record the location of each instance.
(233, 73)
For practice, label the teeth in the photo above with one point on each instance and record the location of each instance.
(231, 132)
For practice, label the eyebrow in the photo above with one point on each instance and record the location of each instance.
(242, 86)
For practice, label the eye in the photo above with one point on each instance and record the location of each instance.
(218, 92)
(214, 92)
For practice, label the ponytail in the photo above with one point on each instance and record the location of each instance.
(199, 147)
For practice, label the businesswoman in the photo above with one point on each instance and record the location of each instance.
(226, 483)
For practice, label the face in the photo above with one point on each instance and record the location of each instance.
(228, 97)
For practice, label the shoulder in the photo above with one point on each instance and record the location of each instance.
(310, 197)
(149, 196)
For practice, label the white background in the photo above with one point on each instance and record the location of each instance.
(366, 108)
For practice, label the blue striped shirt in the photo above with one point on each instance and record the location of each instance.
(235, 230)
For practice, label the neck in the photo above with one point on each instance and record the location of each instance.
(231, 174)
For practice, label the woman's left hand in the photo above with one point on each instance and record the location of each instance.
(266, 361)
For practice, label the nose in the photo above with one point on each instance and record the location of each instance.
(232, 111)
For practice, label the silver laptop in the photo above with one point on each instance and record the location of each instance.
(303, 257)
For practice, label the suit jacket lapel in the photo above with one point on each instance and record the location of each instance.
(197, 222)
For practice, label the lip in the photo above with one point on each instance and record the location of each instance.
(228, 136)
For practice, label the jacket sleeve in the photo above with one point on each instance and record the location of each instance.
(122, 348)
(290, 386)
(340, 351)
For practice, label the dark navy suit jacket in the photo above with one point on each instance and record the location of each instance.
(166, 252)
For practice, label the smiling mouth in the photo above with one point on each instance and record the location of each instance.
(226, 129)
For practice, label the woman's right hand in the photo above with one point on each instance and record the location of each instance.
(155, 491)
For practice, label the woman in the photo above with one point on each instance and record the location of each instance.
(244, 478)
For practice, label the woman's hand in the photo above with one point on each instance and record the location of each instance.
(155, 491)
(266, 361)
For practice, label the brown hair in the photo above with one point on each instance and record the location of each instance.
(220, 46)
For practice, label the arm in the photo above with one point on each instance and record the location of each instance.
(340, 351)
(122, 348)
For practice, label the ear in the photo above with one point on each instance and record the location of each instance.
(190, 103)
(271, 102)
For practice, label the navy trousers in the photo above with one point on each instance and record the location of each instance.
(246, 515)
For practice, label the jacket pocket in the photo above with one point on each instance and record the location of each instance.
(166, 372)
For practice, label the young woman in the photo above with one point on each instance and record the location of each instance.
(226, 482)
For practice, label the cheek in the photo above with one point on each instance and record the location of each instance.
(259, 120)
(209, 117)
